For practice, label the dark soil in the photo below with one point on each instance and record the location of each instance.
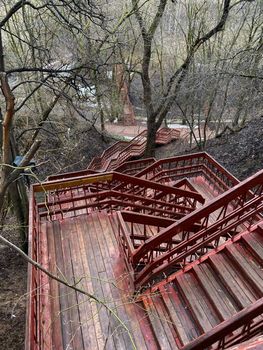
(72, 153)
(241, 153)
(13, 280)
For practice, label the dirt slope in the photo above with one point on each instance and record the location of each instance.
(241, 153)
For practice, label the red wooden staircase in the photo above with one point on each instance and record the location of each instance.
(177, 245)
(122, 151)
(214, 301)
(174, 247)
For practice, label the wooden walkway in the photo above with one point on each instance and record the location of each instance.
(83, 250)
(121, 151)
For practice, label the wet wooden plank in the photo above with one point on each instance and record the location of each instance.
(95, 266)
(114, 226)
(239, 289)
(93, 322)
(247, 265)
(181, 330)
(81, 275)
(67, 229)
(184, 313)
(111, 293)
(54, 291)
(157, 324)
(78, 275)
(199, 305)
(165, 319)
(254, 243)
(143, 324)
(63, 290)
(217, 293)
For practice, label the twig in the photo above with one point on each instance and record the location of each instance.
(72, 286)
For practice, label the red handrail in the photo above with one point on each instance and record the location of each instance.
(132, 167)
(233, 208)
(134, 148)
(188, 165)
(98, 162)
(243, 318)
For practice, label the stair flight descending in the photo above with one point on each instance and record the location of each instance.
(122, 151)
(205, 297)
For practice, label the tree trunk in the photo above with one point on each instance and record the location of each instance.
(128, 116)
(151, 136)
(19, 201)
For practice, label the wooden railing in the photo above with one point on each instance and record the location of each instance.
(190, 165)
(38, 317)
(121, 149)
(185, 183)
(129, 235)
(100, 162)
(132, 167)
(101, 192)
(219, 220)
(69, 196)
(167, 135)
(134, 148)
(240, 327)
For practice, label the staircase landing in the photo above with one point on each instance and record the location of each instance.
(83, 250)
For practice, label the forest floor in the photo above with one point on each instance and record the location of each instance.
(13, 282)
(241, 153)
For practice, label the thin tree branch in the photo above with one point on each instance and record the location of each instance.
(65, 283)
(16, 8)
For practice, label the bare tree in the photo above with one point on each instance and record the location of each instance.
(198, 34)
(34, 71)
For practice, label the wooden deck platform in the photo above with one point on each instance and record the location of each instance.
(83, 250)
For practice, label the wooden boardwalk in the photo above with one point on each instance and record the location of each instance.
(84, 251)
(209, 293)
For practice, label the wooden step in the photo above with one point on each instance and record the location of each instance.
(253, 242)
(257, 234)
(158, 320)
(180, 316)
(248, 267)
(198, 303)
(239, 289)
(215, 290)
